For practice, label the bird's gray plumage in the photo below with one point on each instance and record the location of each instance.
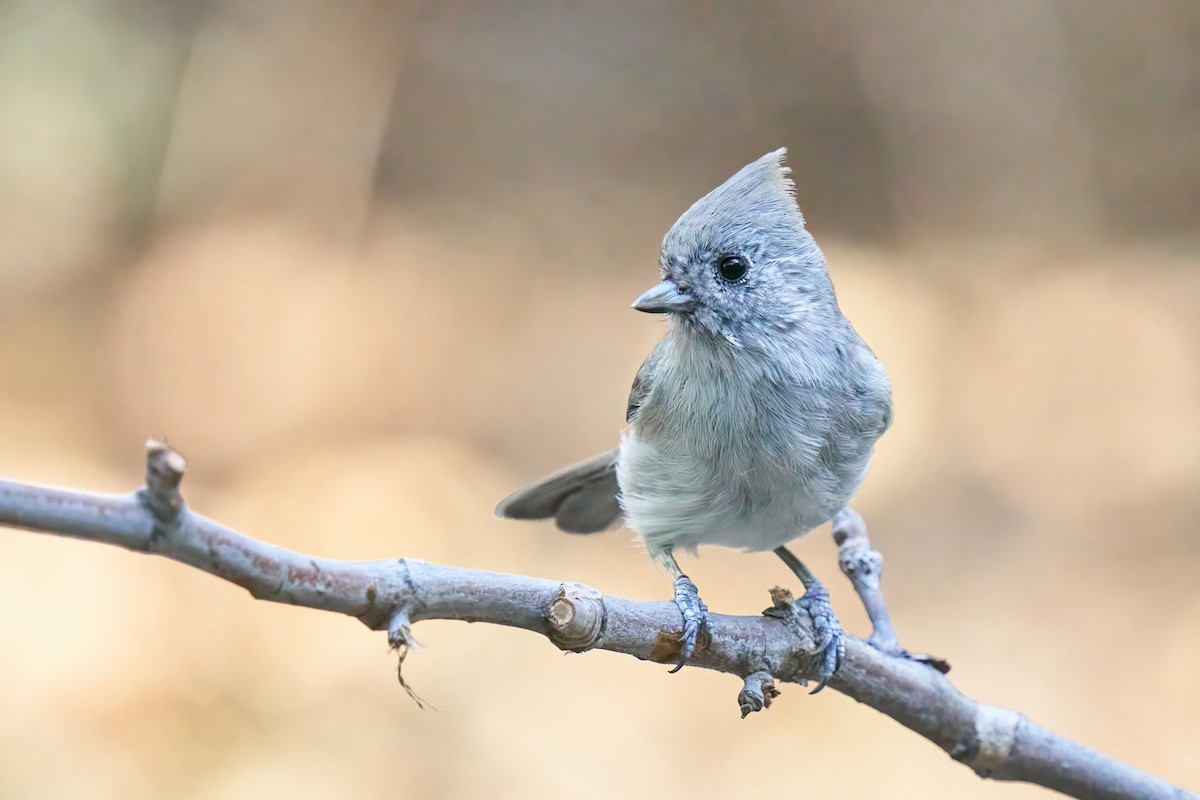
(754, 418)
(581, 498)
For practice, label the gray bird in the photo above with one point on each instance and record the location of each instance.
(753, 420)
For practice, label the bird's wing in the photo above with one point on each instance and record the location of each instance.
(643, 382)
(582, 498)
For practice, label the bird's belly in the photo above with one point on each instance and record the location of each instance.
(672, 498)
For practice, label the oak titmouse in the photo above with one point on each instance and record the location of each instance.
(753, 420)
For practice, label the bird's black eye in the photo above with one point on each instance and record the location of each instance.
(732, 268)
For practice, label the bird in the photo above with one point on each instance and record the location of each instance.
(754, 418)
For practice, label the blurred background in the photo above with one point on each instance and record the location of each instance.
(368, 265)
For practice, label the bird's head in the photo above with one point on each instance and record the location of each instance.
(739, 264)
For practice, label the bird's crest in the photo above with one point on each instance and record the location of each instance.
(760, 193)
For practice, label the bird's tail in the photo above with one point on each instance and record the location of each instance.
(581, 498)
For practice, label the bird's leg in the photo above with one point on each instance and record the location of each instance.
(831, 648)
(863, 565)
(687, 598)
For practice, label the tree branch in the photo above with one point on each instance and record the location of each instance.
(392, 595)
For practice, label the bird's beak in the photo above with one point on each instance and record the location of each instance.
(665, 298)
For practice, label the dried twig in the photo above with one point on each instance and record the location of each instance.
(393, 595)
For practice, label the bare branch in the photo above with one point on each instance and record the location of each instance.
(393, 595)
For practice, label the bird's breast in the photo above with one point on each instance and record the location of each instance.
(737, 454)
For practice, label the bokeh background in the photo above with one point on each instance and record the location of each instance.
(368, 265)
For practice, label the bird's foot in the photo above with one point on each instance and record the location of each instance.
(695, 619)
(831, 645)
(888, 645)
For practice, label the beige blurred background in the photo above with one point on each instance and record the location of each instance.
(368, 265)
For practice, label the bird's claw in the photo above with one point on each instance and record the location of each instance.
(831, 645)
(889, 646)
(695, 619)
